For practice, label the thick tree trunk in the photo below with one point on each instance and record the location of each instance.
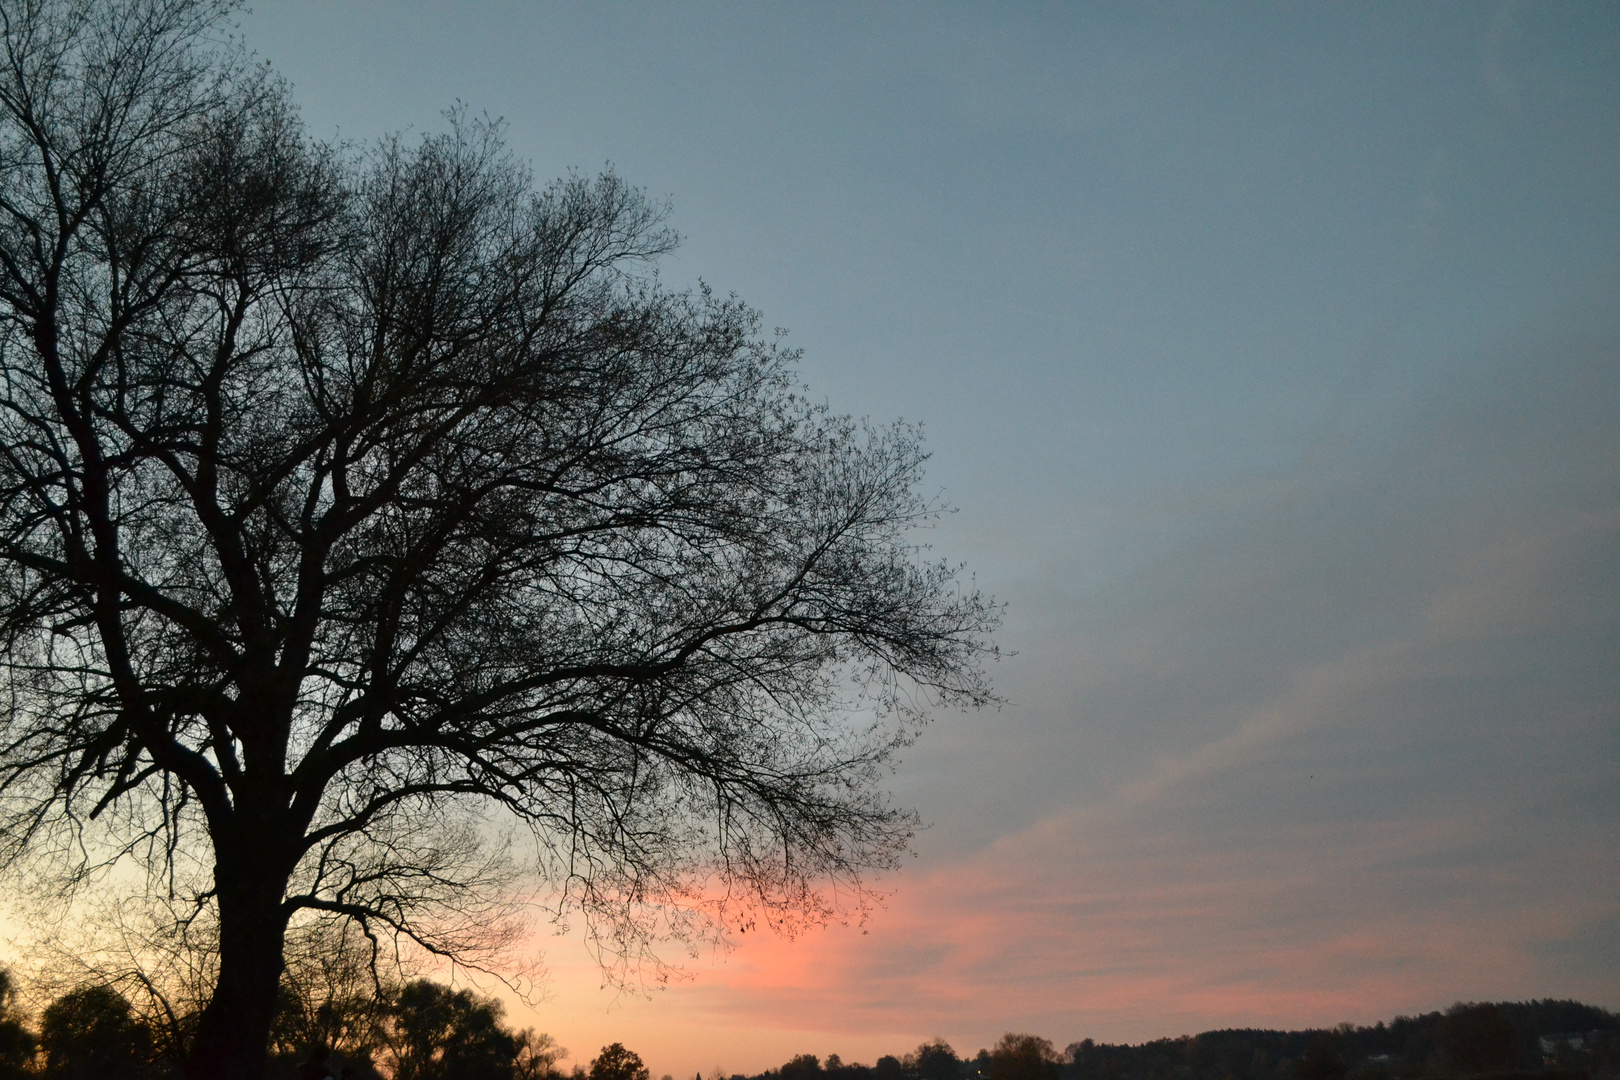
(233, 1036)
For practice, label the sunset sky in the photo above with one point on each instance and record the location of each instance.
(1271, 355)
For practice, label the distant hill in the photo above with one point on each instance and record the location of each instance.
(1477, 1039)
(1514, 1040)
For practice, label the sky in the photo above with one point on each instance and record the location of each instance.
(1270, 355)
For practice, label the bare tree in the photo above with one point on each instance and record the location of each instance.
(348, 500)
(162, 962)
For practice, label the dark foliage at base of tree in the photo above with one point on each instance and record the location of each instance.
(17, 1043)
(421, 1031)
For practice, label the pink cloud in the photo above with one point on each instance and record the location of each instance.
(1075, 929)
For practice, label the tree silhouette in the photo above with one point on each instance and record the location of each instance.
(92, 1034)
(801, 1067)
(348, 500)
(1023, 1057)
(617, 1063)
(935, 1060)
(537, 1056)
(444, 1034)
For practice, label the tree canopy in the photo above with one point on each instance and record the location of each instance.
(92, 1034)
(443, 1034)
(1024, 1057)
(353, 502)
(617, 1063)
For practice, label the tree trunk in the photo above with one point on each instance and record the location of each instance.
(233, 1035)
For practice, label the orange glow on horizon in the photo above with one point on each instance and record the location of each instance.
(1121, 946)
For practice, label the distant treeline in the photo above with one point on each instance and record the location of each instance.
(1549, 1040)
(422, 1030)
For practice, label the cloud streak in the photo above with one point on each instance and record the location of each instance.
(1362, 747)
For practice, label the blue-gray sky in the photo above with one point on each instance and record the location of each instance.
(1271, 355)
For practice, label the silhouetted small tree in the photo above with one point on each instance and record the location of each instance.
(802, 1067)
(935, 1060)
(1023, 1057)
(888, 1067)
(437, 1033)
(617, 1063)
(538, 1054)
(93, 1034)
